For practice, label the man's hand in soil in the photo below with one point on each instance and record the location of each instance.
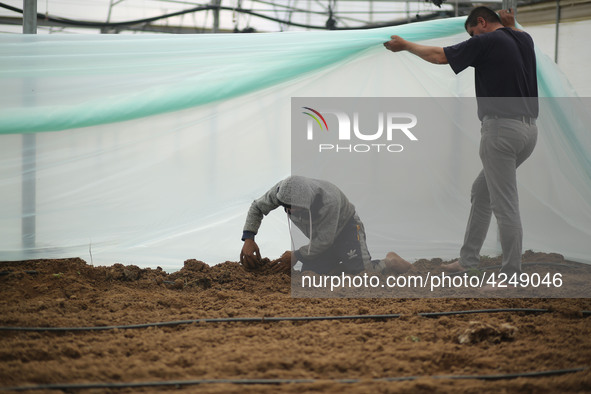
(250, 256)
(282, 264)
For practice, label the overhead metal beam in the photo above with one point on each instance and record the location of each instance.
(156, 28)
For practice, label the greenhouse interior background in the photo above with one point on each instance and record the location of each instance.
(139, 131)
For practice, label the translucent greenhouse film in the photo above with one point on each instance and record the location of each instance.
(149, 149)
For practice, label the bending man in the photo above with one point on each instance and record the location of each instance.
(324, 214)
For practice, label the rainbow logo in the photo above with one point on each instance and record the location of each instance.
(315, 118)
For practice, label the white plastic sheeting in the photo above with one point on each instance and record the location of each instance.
(149, 150)
(573, 61)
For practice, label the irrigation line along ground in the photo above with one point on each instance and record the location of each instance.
(278, 319)
(179, 383)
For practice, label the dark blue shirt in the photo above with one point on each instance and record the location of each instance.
(504, 64)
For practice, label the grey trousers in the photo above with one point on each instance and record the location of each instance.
(504, 145)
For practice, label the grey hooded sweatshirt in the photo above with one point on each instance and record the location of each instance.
(318, 208)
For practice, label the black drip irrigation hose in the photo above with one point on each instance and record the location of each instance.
(277, 319)
(179, 383)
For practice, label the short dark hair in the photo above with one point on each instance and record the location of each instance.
(481, 12)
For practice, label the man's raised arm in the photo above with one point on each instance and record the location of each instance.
(431, 54)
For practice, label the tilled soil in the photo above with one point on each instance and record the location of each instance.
(449, 353)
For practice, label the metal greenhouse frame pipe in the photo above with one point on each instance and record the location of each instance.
(29, 150)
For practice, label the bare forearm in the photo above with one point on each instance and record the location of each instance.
(432, 54)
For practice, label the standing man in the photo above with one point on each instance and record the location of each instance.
(507, 95)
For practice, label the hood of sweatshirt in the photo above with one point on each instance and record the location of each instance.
(298, 191)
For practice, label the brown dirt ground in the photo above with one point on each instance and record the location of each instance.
(72, 293)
